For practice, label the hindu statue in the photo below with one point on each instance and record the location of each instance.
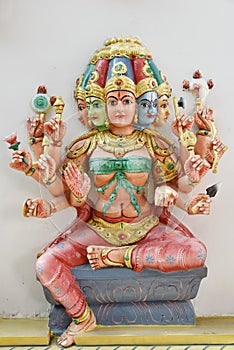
(122, 176)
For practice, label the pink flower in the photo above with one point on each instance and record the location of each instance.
(11, 139)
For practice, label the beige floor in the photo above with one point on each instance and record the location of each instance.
(209, 333)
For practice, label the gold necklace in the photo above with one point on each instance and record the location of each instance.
(121, 144)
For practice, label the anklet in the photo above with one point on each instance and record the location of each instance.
(128, 256)
(83, 317)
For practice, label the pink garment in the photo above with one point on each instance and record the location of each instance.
(163, 248)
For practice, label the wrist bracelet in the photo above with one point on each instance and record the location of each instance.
(52, 208)
(32, 170)
(78, 199)
(204, 132)
(50, 181)
(190, 182)
(34, 140)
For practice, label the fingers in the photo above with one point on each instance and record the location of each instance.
(197, 162)
(52, 125)
(45, 161)
(33, 122)
(17, 156)
(29, 208)
(42, 162)
(205, 113)
(219, 146)
(73, 172)
(184, 120)
(165, 196)
(204, 207)
(200, 204)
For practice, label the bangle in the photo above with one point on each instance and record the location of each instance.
(50, 181)
(78, 199)
(32, 170)
(52, 208)
(56, 143)
(204, 133)
(34, 140)
(190, 182)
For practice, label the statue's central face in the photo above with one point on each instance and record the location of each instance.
(96, 110)
(147, 108)
(121, 108)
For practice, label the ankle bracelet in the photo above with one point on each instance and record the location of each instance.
(83, 317)
(128, 256)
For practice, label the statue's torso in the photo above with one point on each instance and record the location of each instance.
(121, 182)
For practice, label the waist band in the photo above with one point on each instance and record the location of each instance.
(122, 233)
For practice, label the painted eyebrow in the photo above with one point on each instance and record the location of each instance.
(111, 96)
(145, 100)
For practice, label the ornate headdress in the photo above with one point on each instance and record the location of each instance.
(122, 64)
(120, 76)
(149, 78)
(79, 92)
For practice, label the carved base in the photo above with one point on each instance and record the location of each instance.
(147, 313)
(119, 296)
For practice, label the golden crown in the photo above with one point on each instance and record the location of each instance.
(95, 91)
(120, 82)
(79, 92)
(164, 89)
(121, 47)
(145, 85)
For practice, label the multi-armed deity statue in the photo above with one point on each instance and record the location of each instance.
(123, 176)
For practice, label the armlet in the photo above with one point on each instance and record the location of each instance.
(166, 170)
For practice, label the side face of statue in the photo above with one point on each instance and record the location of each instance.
(124, 162)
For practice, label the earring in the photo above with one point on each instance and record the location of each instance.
(136, 119)
(107, 124)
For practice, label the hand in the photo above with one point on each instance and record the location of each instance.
(219, 147)
(38, 208)
(199, 204)
(21, 160)
(56, 129)
(195, 168)
(165, 196)
(46, 167)
(35, 127)
(203, 118)
(184, 121)
(78, 183)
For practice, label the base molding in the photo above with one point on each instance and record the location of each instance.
(206, 331)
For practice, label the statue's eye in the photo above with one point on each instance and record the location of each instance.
(96, 105)
(144, 105)
(112, 102)
(127, 101)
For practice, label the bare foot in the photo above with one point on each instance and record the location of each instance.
(68, 337)
(100, 256)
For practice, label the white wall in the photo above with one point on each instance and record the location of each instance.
(50, 42)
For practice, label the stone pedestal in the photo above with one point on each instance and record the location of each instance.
(120, 296)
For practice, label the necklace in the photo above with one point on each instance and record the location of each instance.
(121, 144)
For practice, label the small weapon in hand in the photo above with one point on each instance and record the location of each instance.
(212, 190)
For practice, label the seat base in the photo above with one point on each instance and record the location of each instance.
(120, 296)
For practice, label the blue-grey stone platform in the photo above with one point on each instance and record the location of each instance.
(120, 296)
